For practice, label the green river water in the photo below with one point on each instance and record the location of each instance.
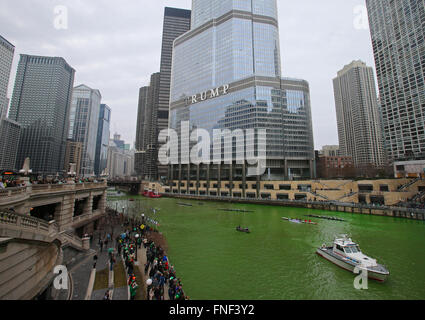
(277, 260)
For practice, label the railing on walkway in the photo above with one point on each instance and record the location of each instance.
(20, 193)
(48, 230)
(24, 222)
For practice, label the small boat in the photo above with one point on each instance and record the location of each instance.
(185, 204)
(246, 230)
(347, 255)
(326, 218)
(236, 210)
(299, 221)
(151, 194)
(131, 200)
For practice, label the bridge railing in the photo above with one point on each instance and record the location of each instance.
(22, 222)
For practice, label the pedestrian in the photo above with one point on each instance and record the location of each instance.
(95, 261)
(101, 245)
(107, 296)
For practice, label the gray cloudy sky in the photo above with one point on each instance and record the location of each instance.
(115, 46)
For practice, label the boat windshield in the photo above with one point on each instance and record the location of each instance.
(352, 249)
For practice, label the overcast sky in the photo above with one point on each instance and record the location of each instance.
(115, 46)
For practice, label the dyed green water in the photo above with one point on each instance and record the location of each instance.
(277, 260)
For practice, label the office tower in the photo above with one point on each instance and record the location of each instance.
(297, 129)
(397, 30)
(226, 74)
(73, 155)
(120, 161)
(83, 124)
(41, 103)
(359, 127)
(147, 130)
(176, 23)
(102, 142)
(118, 142)
(7, 51)
(10, 132)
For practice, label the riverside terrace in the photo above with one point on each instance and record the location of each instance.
(41, 227)
(391, 197)
(72, 206)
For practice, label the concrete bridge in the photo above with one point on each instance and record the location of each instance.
(38, 224)
(130, 186)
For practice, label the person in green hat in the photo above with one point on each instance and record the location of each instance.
(133, 290)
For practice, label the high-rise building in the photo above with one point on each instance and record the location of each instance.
(359, 127)
(102, 142)
(7, 50)
(398, 39)
(176, 23)
(297, 129)
(147, 132)
(73, 155)
(226, 74)
(120, 161)
(83, 124)
(41, 103)
(10, 132)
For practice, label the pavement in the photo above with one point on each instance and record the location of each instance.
(81, 273)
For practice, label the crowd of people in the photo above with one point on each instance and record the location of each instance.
(161, 273)
(17, 183)
(161, 276)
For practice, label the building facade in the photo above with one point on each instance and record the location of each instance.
(41, 104)
(330, 151)
(176, 23)
(120, 161)
(73, 155)
(146, 157)
(102, 140)
(359, 127)
(226, 75)
(7, 50)
(10, 132)
(83, 125)
(397, 30)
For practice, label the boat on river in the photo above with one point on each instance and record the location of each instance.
(246, 230)
(236, 210)
(184, 204)
(325, 218)
(151, 194)
(347, 254)
(299, 221)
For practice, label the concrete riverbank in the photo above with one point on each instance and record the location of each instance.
(398, 212)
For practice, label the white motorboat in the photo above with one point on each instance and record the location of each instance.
(347, 255)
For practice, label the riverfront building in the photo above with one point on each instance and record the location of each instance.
(176, 22)
(359, 126)
(397, 30)
(147, 130)
(83, 124)
(102, 140)
(7, 51)
(226, 74)
(41, 103)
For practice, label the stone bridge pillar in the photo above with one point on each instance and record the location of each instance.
(88, 206)
(65, 212)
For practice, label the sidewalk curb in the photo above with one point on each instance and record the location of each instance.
(91, 284)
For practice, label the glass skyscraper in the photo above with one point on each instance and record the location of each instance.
(83, 124)
(41, 104)
(398, 39)
(226, 74)
(102, 141)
